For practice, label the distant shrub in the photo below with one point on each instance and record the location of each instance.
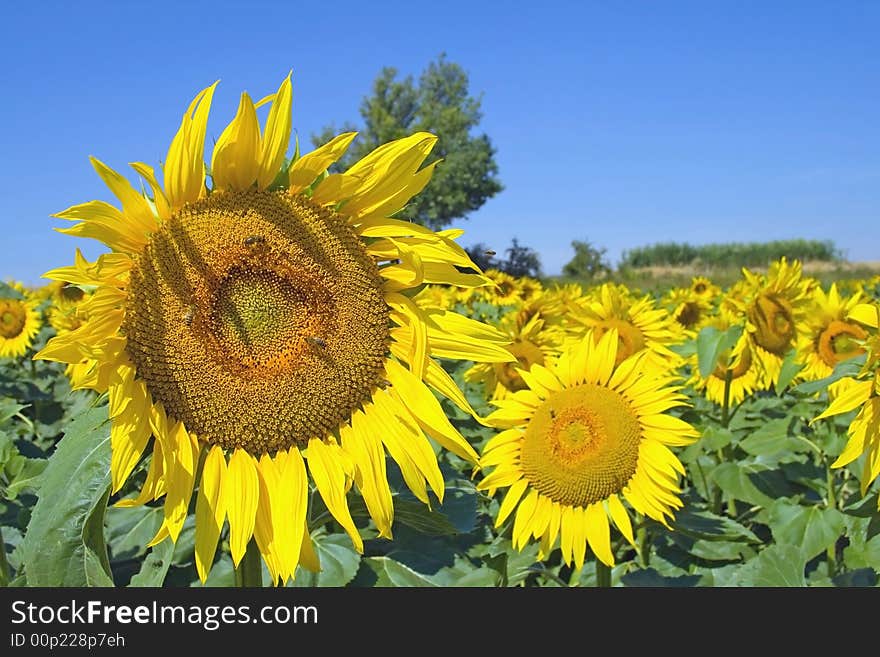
(730, 254)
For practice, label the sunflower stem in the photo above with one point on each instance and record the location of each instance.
(249, 573)
(603, 575)
(4, 566)
(831, 552)
(642, 540)
(726, 451)
(725, 408)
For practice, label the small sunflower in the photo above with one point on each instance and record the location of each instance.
(64, 298)
(505, 291)
(704, 288)
(531, 344)
(826, 336)
(262, 327)
(20, 321)
(691, 310)
(862, 394)
(773, 304)
(638, 322)
(587, 433)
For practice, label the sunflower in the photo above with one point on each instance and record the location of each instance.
(437, 296)
(774, 304)
(531, 344)
(585, 434)
(19, 320)
(826, 337)
(691, 310)
(738, 360)
(704, 288)
(261, 330)
(862, 394)
(64, 299)
(506, 290)
(638, 322)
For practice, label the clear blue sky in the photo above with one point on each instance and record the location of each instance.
(623, 123)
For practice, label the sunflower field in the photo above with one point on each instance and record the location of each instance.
(270, 379)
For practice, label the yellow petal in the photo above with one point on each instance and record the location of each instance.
(306, 169)
(329, 477)
(866, 313)
(514, 493)
(852, 398)
(292, 506)
(129, 435)
(210, 510)
(243, 496)
(185, 163)
(598, 533)
(163, 208)
(308, 558)
(621, 518)
(405, 442)
(154, 485)
(235, 163)
(427, 411)
(276, 136)
(134, 206)
(180, 479)
(371, 477)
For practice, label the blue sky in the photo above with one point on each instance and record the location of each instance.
(622, 123)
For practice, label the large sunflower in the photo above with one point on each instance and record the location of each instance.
(262, 327)
(774, 304)
(584, 435)
(19, 321)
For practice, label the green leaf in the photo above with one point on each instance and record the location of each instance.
(790, 368)
(714, 438)
(9, 292)
(339, 562)
(155, 566)
(862, 577)
(772, 438)
(651, 578)
(735, 479)
(850, 367)
(776, 565)
(8, 408)
(64, 544)
(21, 474)
(130, 529)
(390, 573)
(811, 528)
(711, 343)
(863, 555)
(721, 550)
(705, 525)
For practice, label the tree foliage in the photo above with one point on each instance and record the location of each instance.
(441, 104)
(588, 261)
(730, 254)
(520, 261)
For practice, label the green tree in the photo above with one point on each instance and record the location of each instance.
(521, 260)
(588, 262)
(440, 104)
